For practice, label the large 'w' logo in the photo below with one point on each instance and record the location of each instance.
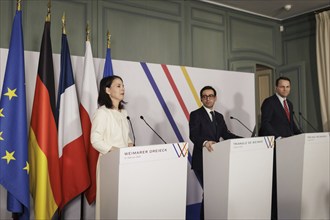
(269, 141)
(181, 149)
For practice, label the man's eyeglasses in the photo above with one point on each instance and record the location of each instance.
(211, 96)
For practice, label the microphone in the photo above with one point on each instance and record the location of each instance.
(294, 115)
(307, 122)
(153, 129)
(129, 119)
(231, 117)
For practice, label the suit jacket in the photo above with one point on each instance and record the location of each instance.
(274, 120)
(202, 129)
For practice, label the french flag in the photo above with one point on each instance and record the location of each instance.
(73, 160)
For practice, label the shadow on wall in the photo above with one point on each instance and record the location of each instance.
(242, 115)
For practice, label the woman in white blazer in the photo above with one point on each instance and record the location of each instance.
(110, 127)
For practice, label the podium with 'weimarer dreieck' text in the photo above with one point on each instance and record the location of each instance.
(146, 182)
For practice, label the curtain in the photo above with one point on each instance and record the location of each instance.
(323, 65)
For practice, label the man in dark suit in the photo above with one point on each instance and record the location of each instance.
(277, 120)
(206, 126)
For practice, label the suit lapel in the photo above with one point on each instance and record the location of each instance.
(205, 115)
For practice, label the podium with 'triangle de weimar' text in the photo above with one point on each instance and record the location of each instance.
(238, 179)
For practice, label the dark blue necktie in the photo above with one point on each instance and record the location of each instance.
(213, 116)
(214, 122)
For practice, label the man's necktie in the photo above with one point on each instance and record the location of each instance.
(214, 122)
(286, 109)
(213, 116)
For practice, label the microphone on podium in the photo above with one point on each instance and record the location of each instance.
(253, 133)
(295, 117)
(129, 119)
(307, 122)
(152, 129)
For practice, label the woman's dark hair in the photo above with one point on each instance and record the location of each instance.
(104, 98)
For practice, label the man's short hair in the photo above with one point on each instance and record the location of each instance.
(206, 88)
(282, 78)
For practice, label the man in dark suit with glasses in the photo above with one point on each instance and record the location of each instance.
(206, 127)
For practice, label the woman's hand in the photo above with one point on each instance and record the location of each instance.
(130, 145)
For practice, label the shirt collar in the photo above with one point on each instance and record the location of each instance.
(280, 98)
(208, 110)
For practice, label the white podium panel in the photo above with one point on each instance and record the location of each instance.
(238, 179)
(303, 175)
(146, 182)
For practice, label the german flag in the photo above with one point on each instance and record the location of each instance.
(45, 182)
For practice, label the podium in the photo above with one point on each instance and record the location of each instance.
(303, 175)
(238, 179)
(147, 182)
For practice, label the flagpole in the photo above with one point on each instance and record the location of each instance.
(108, 70)
(61, 211)
(108, 39)
(63, 24)
(18, 7)
(82, 207)
(48, 19)
(48, 11)
(88, 31)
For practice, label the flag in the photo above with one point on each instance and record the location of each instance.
(108, 71)
(73, 159)
(87, 107)
(45, 184)
(14, 166)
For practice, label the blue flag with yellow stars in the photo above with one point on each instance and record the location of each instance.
(14, 166)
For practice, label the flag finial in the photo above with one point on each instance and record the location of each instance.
(19, 5)
(88, 31)
(63, 24)
(49, 5)
(108, 39)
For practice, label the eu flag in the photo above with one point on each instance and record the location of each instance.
(14, 166)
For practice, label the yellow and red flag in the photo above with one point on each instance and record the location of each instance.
(45, 181)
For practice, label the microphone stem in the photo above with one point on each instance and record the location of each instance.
(298, 122)
(132, 131)
(154, 131)
(308, 122)
(243, 125)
